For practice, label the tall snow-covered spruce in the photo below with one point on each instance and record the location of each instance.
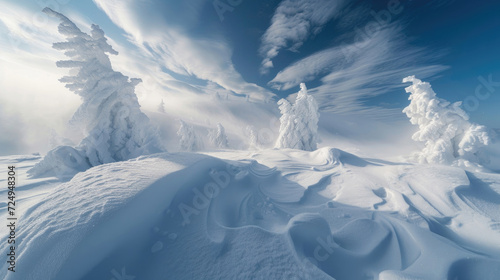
(110, 114)
(299, 122)
(444, 127)
(161, 107)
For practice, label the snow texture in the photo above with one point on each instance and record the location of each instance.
(110, 114)
(189, 140)
(299, 122)
(283, 214)
(444, 127)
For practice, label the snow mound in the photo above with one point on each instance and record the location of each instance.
(275, 214)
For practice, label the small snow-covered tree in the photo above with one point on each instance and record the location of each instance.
(110, 114)
(218, 137)
(299, 122)
(189, 141)
(444, 128)
(161, 106)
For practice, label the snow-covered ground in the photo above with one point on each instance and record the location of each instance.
(268, 214)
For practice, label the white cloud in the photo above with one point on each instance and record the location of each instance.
(292, 24)
(351, 73)
(207, 59)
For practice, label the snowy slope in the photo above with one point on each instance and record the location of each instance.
(270, 214)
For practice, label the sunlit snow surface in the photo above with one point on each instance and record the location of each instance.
(270, 214)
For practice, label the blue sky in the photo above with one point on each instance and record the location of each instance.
(351, 54)
(449, 43)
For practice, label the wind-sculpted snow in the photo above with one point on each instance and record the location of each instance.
(110, 115)
(444, 128)
(274, 214)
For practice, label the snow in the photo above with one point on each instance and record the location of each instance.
(351, 207)
(444, 127)
(263, 214)
(218, 137)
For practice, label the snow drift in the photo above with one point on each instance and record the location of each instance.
(284, 214)
(444, 128)
(110, 113)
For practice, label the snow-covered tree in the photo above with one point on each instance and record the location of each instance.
(161, 107)
(189, 141)
(444, 128)
(110, 114)
(299, 122)
(252, 137)
(218, 137)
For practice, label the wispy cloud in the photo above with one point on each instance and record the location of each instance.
(352, 73)
(208, 59)
(292, 24)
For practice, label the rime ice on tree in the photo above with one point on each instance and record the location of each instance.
(250, 133)
(299, 122)
(444, 128)
(110, 113)
(161, 107)
(218, 137)
(189, 141)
